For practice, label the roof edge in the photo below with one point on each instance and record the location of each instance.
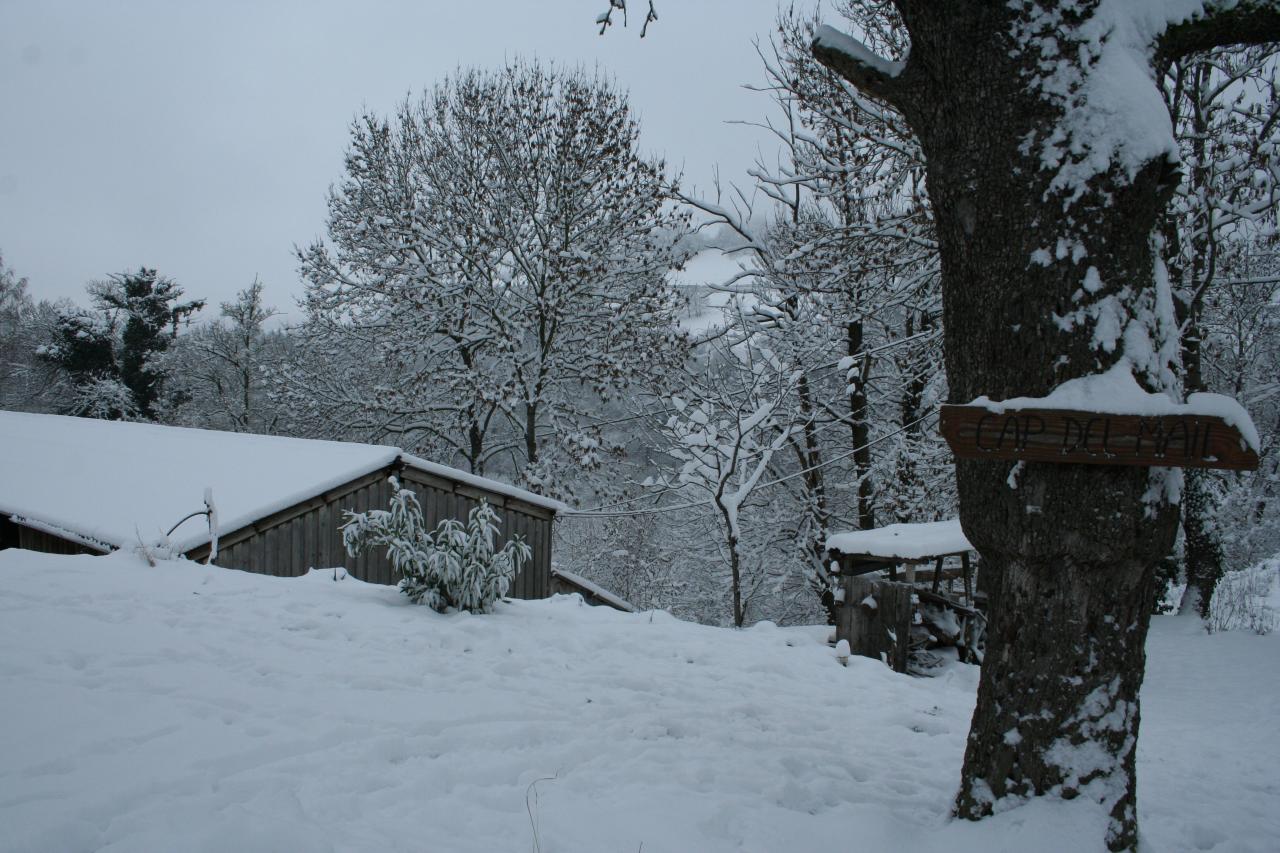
(475, 480)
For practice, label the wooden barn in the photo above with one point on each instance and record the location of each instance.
(77, 485)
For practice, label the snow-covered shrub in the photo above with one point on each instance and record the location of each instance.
(1241, 599)
(453, 566)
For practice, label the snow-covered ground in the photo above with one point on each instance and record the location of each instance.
(201, 709)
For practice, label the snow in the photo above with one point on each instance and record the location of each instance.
(1114, 111)
(196, 708)
(482, 483)
(903, 541)
(117, 483)
(832, 39)
(1116, 392)
(717, 283)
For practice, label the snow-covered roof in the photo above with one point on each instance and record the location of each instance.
(114, 483)
(495, 486)
(903, 541)
(615, 601)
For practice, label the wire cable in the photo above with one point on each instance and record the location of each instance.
(603, 512)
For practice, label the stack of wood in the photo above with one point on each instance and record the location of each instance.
(904, 625)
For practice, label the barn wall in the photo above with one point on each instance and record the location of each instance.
(443, 499)
(14, 535)
(292, 541)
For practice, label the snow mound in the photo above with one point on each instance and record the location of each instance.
(186, 707)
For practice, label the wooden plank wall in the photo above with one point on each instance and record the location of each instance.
(37, 540)
(876, 619)
(306, 536)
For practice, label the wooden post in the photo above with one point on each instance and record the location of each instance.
(968, 578)
(876, 620)
(937, 574)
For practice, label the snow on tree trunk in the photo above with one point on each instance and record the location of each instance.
(1050, 158)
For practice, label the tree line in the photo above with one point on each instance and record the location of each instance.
(495, 291)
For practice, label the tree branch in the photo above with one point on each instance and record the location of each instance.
(1247, 22)
(855, 62)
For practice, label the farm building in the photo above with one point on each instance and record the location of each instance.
(76, 485)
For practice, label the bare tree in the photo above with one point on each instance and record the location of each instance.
(16, 356)
(1240, 328)
(497, 264)
(220, 373)
(1225, 106)
(729, 420)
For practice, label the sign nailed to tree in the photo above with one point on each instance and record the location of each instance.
(1096, 438)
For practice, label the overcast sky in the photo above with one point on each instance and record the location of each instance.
(201, 138)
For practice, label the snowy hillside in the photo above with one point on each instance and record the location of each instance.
(187, 708)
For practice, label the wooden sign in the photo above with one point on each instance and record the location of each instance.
(1096, 438)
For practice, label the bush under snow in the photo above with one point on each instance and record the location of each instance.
(452, 566)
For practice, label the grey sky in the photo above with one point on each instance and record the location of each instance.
(200, 138)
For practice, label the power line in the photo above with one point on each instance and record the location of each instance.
(603, 513)
(861, 354)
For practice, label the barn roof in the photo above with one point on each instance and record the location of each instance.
(116, 483)
(903, 541)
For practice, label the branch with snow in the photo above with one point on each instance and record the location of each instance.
(605, 18)
(1219, 23)
(854, 61)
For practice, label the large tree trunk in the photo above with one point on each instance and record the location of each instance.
(1045, 219)
(860, 427)
(1070, 551)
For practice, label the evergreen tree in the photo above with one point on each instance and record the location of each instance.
(152, 313)
(455, 565)
(108, 355)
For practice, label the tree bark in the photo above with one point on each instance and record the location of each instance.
(1031, 268)
(815, 492)
(531, 434)
(1202, 547)
(1070, 553)
(860, 428)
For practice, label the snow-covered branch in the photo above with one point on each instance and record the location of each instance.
(1219, 24)
(855, 62)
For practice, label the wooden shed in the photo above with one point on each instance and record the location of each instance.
(891, 621)
(77, 485)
